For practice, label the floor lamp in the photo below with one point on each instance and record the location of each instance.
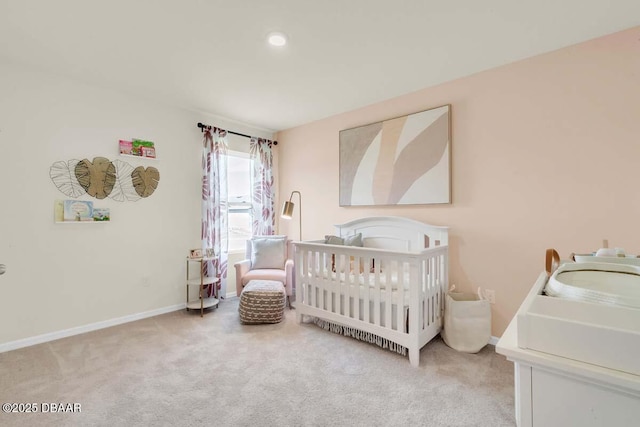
(287, 209)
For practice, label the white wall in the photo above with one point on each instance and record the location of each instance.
(62, 276)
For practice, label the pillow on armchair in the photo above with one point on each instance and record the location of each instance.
(268, 252)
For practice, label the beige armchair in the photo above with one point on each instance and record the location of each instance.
(267, 258)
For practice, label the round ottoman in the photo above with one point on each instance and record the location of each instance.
(262, 301)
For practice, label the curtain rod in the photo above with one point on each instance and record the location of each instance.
(202, 127)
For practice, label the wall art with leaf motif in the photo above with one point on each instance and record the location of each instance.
(102, 178)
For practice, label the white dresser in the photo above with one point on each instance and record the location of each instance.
(564, 357)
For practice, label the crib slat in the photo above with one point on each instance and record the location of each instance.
(354, 285)
(388, 293)
(326, 277)
(341, 285)
(301, 297)
(367, 291)
(321, 285)
(331, 284)
(427, 279)
(313, 281)
(376, 294)
(402, 267)
(346, 286)
(335, 283)
(435, 276)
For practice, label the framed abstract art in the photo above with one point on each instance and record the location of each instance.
(400, 161)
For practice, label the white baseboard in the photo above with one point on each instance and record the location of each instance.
(51, 336)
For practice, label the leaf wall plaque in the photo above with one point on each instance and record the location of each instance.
(103, 178)
(123, 190)
(145, 181)
(97, 177)
(64, 178)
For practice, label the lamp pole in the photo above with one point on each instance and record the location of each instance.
(299, 209)
(287, 209)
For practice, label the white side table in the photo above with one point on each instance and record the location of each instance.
(202, 282)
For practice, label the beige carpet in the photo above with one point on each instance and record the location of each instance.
(182, 370)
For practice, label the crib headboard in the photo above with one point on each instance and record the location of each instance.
(395, 233)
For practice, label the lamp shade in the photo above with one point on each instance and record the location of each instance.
(287, 210)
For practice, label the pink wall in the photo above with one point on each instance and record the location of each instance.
(545, 153)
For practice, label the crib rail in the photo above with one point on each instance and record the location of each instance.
(396, 295)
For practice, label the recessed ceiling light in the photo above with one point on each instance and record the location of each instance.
(277, 39)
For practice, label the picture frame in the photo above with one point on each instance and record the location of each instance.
(400, 161)
(101, 214)
(125, 147)
(195, 253)
(77, 210)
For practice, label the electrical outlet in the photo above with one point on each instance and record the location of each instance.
(490, 295)
(145, 281)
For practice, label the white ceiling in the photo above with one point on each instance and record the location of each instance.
(211, 55)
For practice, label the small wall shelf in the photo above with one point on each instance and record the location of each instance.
(138, 157)
(81, 222)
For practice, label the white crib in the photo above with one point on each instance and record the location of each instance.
(390, 291)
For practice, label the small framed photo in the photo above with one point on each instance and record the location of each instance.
(148, 152)
(209, 252)
(195, 253)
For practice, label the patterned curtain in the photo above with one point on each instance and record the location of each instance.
(262, 187)
(214, 206)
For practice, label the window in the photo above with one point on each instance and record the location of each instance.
(240, 214)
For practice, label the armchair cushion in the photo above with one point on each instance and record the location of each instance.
(264, 274)
(268, 253)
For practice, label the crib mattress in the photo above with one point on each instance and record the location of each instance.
(359, 291)
(353, 278)
(354, 281)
